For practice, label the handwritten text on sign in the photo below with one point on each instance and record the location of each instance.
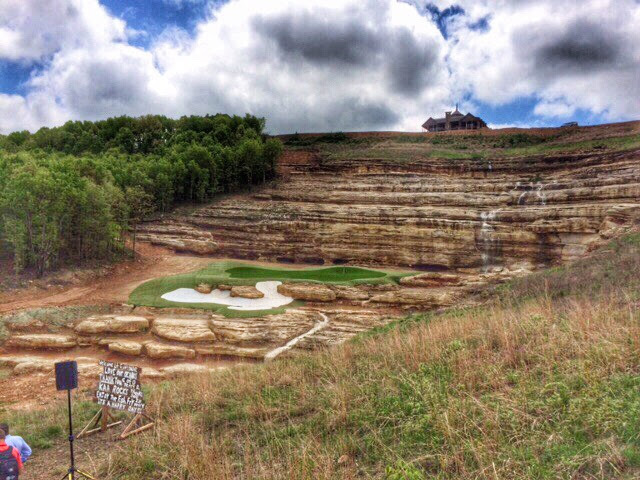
(119, 387)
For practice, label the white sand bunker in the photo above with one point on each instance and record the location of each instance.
(271, 299)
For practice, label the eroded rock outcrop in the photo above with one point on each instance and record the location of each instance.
(246, 292)
(125, 347)
(425, 297)
(163, 350)
(313, 292)
(42, 341)
(183, 330)
(436, 215)
(255, 331)
(112, 324)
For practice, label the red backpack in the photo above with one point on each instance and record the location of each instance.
(8, 465)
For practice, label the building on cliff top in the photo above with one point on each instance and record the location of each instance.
(454, 121)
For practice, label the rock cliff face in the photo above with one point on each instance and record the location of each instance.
(429, 214)
(460, 223)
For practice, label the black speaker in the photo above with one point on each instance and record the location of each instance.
(66, 375)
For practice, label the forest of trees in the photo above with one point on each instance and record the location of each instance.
(69, 194)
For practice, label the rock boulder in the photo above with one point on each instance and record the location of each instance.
(46, 341)
(126, 347)
(204, 288)
(313, 292)
(183, 330)
(162, 350)
(246, 292)
(422, 297)
(112, 324)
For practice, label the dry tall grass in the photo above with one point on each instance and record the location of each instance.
(543, 382)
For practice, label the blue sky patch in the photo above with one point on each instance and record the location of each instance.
(13, 77)
(154, 16)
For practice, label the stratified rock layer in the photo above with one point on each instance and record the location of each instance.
(112, 324)
(45, 341)
(435, 215)
(183, 330)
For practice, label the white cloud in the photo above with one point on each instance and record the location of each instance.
(324, 65)
(568, 57)
(557, 108)
(32, 29)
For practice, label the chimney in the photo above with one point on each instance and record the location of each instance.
(447, 115)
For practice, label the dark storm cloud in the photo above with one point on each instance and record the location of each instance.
(320, 40)
(410, 62)
(350, 113)
(354, 111)
(105, 86)
(407, 62)
(581, 47)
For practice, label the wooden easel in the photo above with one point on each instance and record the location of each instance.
(103, 416)
(131, 428)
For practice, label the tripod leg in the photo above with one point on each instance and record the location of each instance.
(85, 474)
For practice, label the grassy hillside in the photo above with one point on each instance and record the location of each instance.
(542, 382)
(481, 144)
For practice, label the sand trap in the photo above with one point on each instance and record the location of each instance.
(271, 299)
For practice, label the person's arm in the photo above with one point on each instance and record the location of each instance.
(25, 451)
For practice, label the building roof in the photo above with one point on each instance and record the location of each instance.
(455, 116)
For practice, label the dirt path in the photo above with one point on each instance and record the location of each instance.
(113, 288)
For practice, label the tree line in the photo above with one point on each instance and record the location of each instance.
(69, 194)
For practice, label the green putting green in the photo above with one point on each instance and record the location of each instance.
(236, 273)
(330, 274)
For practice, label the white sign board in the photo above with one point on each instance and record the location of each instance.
(119, 387)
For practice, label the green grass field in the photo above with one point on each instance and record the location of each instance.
(331, 274)
(236, 273)
(470, 147)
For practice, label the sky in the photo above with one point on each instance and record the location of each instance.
(320, 65)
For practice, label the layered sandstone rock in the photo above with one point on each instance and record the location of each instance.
(45, 341)
(112, 324)
(436, 215)
(313, 292)
(343, 324)
(425, 297)
(224, 349)
(431, 279)
(344, 292)
(33, 366)
(204, 288)
(126, 347)
(246, 292)
(260, 331)
(162, 350)
(183, 330)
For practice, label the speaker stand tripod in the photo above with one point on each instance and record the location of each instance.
(73, 472)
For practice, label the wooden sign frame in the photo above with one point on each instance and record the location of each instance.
(131, 429)
(104, 415)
